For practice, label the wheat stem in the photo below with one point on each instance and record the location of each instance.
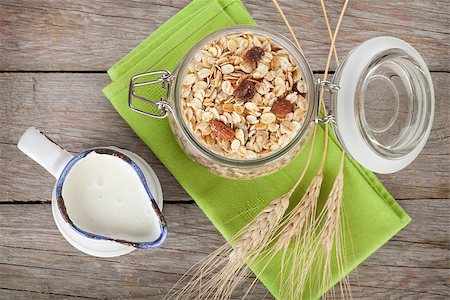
(225, 269)
(327, 67)
(220, 273)
(333, 40)
(331, 234)
(330, 33)
(308, 160)
(301, 223)
(291, 31)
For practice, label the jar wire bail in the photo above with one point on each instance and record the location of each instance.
(331, 88)
(162, 105)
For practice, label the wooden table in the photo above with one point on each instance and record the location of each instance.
(53, 61)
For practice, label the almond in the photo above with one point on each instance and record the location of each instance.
(281, 108)
(222, 131)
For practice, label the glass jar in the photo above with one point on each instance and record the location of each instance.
(382, 99)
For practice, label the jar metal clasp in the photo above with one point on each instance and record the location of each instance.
(163, 77)
(321, 86)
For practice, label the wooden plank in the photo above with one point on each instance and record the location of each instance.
(92, 35)
(70, 108)
(36, 262)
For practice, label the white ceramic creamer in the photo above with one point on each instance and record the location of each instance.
(104, 195)
(106, 202)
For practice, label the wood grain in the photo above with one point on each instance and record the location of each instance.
(53, 59)
(37, 262)
(71, 109)
(92, 35)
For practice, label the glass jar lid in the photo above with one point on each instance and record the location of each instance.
(385, 105)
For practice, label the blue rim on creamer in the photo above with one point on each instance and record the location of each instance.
(65, 215)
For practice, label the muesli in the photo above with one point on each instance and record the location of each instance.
(243, 96)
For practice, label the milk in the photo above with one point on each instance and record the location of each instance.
(104, 195)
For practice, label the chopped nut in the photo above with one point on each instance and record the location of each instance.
(228, 107)
(275, 63)
(238, 108)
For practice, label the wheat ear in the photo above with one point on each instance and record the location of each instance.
(297, 229)
(221, 272)
(218, 275)
(304, 250)
(298, 224)
(298, 232)
(269, 252)
(330, 237)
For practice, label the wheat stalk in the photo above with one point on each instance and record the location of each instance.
(298, 230)
(291, 31)
(218, 275)
(299, 227)
(248, 248)
(226, 267)
(330, 33)
(300, 224)
(331, 234)
(331, 237)
(264, 223)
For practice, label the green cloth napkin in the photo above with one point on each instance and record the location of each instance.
(373, 216)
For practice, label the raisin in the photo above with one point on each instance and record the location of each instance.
(254, 55)
(246, 90)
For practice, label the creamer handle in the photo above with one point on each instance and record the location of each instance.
(44, 151)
